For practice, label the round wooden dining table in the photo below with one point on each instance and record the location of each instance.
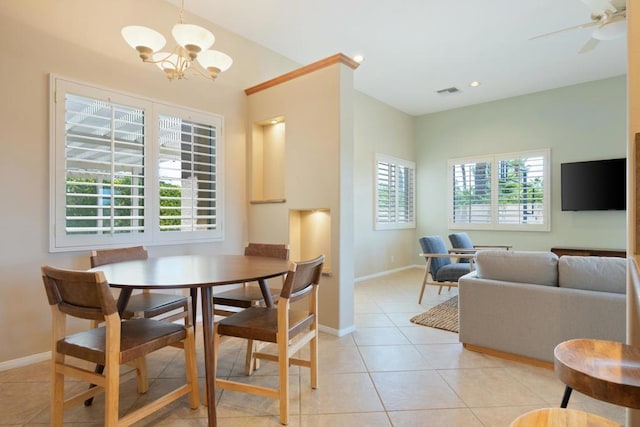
(195, 272)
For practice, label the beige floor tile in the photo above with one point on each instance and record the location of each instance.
(394, 358)
(454, 356)
(345, 360)
(435, 418)
(367, 307)
(543, 382)
(20, 402)
(379, 336)
(339, 394)
(372, 320)
(414, 390)
(426, 335)
(368, 419)
(332, 342)
(404, 319)
(489, 387)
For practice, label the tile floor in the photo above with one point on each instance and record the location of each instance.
(389, 372)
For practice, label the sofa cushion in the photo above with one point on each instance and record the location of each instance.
(518, 266)
(452, 272)
(605, 274)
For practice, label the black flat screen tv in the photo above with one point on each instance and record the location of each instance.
(594, 186)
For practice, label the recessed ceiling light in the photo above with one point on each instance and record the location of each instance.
(273, 122)
(474, 84)
(358, 58)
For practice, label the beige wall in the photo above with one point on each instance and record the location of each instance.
(379, 129)
(581, 122)
(81, 40)
(317, 109)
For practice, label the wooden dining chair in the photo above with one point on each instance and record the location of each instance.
(249, 295)
(86, 295)
(289, 328)
(147, 304)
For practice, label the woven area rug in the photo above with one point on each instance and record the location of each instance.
(442, 316)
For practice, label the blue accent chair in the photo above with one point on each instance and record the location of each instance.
(461, 243)
(440, 270)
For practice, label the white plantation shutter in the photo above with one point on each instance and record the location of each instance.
(471, 193)
(126, 170)
(509, 191)
(104, 168)
(395, 193)
(520, 192)
(187, 175)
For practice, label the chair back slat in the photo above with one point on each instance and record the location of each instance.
(80, 294)
(302, 276)
(271, 250)
(109, 256)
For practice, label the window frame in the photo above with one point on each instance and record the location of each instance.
(493, 160)
(397, 224)
(59, 241)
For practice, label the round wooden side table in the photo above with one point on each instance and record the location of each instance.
(561, 417)
(604, 370)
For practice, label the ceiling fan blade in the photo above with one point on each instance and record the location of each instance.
(598, 7)
(585, 25)
(619, 4)
(589, 45)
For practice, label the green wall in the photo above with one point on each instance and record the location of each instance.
(581, 122)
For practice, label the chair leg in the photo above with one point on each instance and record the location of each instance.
(191, 368)
(111, 390)
(141, 374)
(57, 393)
(439, 290)
(566, 396)
(250, 361)
(313, 349)
(424, 284)
(283, 362)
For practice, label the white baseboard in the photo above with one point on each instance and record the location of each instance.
(336, 332)
(25, 361)
(385, 273)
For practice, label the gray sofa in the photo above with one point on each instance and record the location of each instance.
(525, 303)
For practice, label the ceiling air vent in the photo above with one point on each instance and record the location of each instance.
(448, 91)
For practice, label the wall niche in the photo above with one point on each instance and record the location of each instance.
(310, 235)
(268, 161)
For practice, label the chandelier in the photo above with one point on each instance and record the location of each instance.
(190, 54)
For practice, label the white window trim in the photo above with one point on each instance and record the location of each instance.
(493, 160)
(58, 241)
(397, 162)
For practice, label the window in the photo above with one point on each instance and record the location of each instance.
(395, 193)
(129, 170)
(507, 191)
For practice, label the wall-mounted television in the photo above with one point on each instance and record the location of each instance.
(595, 185)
